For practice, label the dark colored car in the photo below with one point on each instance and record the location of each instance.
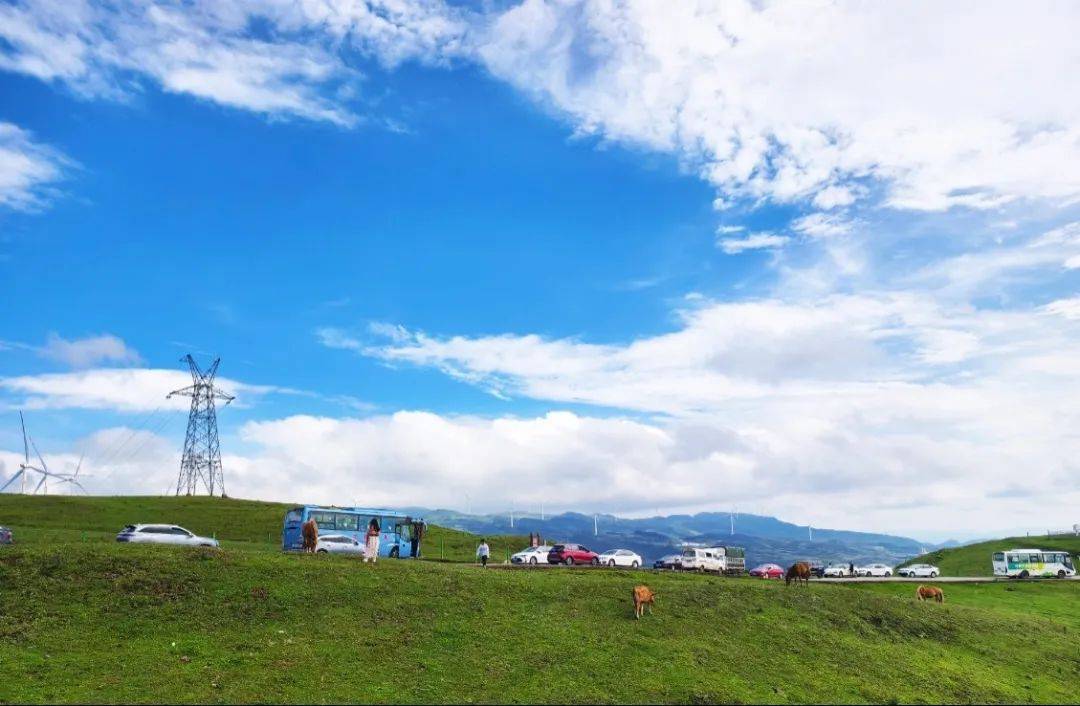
(670, 561)
(571, 554)
(817, 569)
(6, 536)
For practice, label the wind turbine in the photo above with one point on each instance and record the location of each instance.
(73, 479)
(43, 470)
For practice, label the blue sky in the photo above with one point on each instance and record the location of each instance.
(634, 263)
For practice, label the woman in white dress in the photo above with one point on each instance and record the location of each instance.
(371, 549)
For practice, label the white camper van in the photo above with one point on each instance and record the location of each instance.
(718, 559)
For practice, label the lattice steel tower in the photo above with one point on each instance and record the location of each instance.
(202, 455)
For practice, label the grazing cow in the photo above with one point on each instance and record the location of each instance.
(310, 532)
(930, 593)
(643, 596)
(799, 571)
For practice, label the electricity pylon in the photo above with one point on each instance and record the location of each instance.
(202, 453)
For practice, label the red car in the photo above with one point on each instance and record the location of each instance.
(571, 554)
(767, 571)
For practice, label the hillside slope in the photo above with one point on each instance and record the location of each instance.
(66, 518)
(96, 621)
(975, 559)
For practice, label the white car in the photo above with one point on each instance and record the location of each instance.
(620, 557)
(837, 571)
(532, 555)
(919, 571)
(873, 570)
(338, 544)
(163, 534)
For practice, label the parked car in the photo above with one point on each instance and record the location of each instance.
(873, 570)
(620, 557)
(163, 534)
(571, 554)
(338, 544)
(767, 571)
(833, 571)
(919, 571)
(817, 569)
(6, 537)
(669, 561)
(532, 555)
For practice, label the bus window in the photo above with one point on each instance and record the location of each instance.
(292, 517)
(345, 522)
(999, 556)
(325, 520)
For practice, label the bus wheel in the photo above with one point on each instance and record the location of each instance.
(1061, 574)
(1024, 574)
(395, 553)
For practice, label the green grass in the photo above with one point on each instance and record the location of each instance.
(975, 559)
(67, 518)
(86, 619)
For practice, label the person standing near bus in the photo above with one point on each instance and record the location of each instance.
(417, 535)
(371, 552)
(483, 552)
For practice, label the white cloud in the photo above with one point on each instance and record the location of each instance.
(89, 352)
(29, 170)
(1069, 308)
(946, 105)
(886, 476)
(297, 67)
(119, 389)
(754, 241)
(820, 225)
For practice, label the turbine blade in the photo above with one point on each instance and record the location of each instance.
(43, 465)
(81, 456)
(26, 447)
(12, 479)
(40, 483)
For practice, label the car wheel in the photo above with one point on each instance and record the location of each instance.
(933, 574)
(320, 551)
(569, 561)
(532, 560)
(611, 563)
(888, 574)
(596, 561)
(634, 565)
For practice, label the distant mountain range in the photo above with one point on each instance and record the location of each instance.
(764, 538)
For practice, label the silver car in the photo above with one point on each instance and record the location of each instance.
(338, 544)
(163, 534)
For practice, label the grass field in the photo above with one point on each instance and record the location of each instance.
(975, 559)
(91, 620)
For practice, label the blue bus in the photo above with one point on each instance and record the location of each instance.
(400, 534)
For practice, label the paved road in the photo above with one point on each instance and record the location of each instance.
(846, 579)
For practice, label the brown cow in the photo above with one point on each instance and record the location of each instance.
(799, 571)
(930, 593)
(643, 596)
(310, 532)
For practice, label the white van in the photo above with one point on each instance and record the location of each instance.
(703, 559)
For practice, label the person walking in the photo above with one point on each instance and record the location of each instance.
(851, 569)
(483, 552)
(371, 550)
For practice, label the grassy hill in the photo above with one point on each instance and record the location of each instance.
(65, 518)
(91, 620)
(975, 559)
